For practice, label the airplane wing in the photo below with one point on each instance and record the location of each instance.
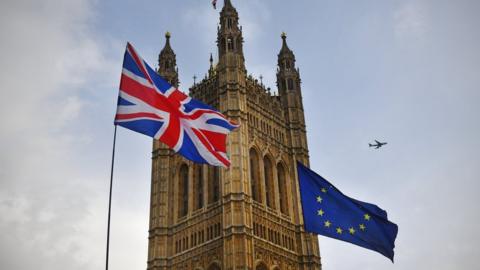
(377, 142)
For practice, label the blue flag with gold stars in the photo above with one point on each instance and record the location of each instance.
(328, 212)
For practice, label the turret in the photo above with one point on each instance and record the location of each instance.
(289, 88)
(288, 77)
(229, 38)
(167, 63)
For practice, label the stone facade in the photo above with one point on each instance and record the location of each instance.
(248, 216)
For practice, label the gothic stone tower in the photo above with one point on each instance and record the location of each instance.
(248, 216)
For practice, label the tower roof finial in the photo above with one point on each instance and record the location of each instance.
(167, 49)
(284, 50)
(227, 6)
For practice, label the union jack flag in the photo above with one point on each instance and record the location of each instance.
(148, 104)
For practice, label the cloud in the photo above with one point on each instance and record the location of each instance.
(45, 196)
(410, 20)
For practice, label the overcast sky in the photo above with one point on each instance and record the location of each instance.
(406, 72)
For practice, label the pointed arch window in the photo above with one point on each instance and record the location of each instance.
(198, 184)
(290, 84)
(213, 184)
(214, 266)
(255, 176)
(238, 44)
(282, 188)
(223, 45)
(268, 176)
(183, 191)
(229, 44)
(261, 266)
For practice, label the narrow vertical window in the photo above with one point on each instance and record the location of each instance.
(229, 44)
(213, 184)
(198, 186)
(268, 176)
(223, 47)
(183, 191)
(290, 84)
(282, 189)
(214, 267)
(255, 176)
(216, 184)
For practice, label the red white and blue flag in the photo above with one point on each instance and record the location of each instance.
(148, 104)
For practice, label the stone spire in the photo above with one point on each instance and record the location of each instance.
(289, 88)
(285, 50)
(288, 78)
(211, 70)
(227, 5)
(167, 63)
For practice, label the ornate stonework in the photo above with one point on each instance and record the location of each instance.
(248, 216)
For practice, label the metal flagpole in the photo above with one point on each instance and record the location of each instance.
(110, 196)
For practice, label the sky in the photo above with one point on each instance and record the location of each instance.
(405, 71)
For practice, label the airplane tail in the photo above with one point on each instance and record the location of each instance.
(370, 145)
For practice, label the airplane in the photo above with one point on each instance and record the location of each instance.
(377, 145)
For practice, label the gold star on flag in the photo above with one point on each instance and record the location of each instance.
(327, 224)
(319, 199)
(351, 230)
(324, 190)
(362, 227)
(339, 230)
(320, 212)
(366, 216)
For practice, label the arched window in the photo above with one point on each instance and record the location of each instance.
(229, 44)
(255, 176)
(223, 43)
(238, 44)
(183, 191)
(213, 184)
(214, 266)
(261, 266)
(290, 84)
(198, 184)
(282, 188)
(269, 191)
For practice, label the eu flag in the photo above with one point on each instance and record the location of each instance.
(329, 212)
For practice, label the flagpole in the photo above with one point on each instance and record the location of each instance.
(110, 197)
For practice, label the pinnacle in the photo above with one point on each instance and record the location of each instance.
(228, 6)
(167, 49)
(285, 48)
